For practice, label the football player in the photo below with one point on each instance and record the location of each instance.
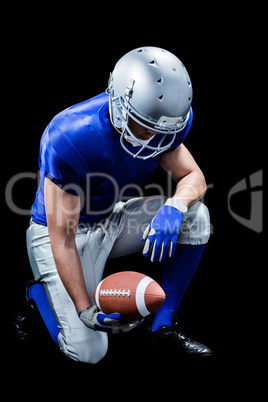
(91, 156)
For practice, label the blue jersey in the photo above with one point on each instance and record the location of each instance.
(81, 152)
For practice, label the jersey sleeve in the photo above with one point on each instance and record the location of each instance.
(60, 172)
(189, 123)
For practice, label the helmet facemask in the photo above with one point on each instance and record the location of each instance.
(120, 113)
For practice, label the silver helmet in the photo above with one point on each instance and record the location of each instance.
(151, 86)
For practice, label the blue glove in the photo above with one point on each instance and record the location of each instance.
(162, 233)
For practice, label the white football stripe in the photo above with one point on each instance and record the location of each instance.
(140, 300)
(97, 293)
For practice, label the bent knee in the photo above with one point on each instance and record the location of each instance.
(89, 347)
(195, 228)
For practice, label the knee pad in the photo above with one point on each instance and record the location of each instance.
(84, 345)
(195, 227)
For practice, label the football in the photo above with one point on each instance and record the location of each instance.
(132, 294)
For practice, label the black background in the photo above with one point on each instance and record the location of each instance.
(54, 60)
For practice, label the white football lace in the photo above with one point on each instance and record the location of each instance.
(111, 292)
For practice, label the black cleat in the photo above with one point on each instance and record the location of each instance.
(25, 322)
(175, 339)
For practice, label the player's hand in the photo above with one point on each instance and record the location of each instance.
(161, 235)
(95, 319)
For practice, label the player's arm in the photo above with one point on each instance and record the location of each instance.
(161, 235)
(62, 211)
(191, 184)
